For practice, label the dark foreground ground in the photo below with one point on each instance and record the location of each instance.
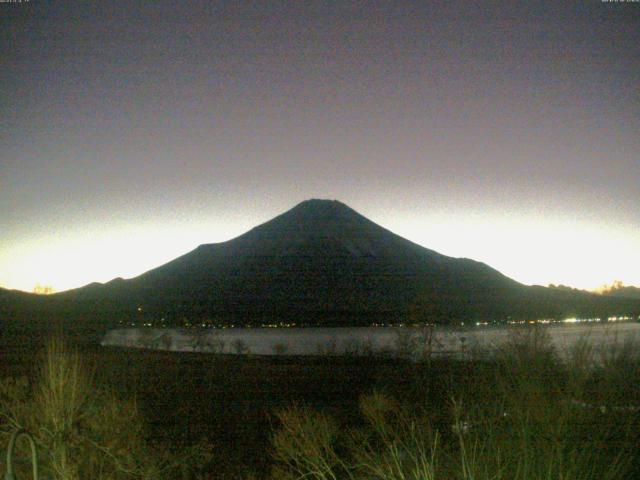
(230, 401)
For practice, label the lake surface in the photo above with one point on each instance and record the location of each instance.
(395, 341)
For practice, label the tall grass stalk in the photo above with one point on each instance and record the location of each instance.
(305, 446)
(61, 397)
(395, 444)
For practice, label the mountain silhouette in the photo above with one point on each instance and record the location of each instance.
(322, 263)
(623, 292)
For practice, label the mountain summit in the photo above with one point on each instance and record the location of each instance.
(322, 263)
(327, 224)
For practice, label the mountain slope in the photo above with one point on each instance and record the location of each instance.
(322, 263)
(621, 291)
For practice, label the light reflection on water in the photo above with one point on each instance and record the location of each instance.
(394, 341)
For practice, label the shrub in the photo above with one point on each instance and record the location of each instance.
(240, 347)
(81, 431)
(391, 445)
(305, 446)
(529, 425)
(394, 444)
(520, 420)
(199, 339)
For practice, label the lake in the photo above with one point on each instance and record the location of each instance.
(394, 341)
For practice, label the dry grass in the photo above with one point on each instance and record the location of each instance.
(522, 419)
(81, 431)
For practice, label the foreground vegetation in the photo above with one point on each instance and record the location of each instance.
(527, 416)
(81, 430)
(521, 414)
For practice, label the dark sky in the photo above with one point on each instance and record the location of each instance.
(507, 132)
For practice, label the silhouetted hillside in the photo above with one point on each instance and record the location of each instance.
(323, 263)
(623, 292)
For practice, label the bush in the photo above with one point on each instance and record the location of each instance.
(240, 347)
(523, 419)
(305, 446)
(394, 444)
(391, 445)
(530, 424)
(81, 431)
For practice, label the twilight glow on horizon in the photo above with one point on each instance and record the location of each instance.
(508, 133)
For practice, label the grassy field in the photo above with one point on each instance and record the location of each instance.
(522, 414)
(228, 401)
